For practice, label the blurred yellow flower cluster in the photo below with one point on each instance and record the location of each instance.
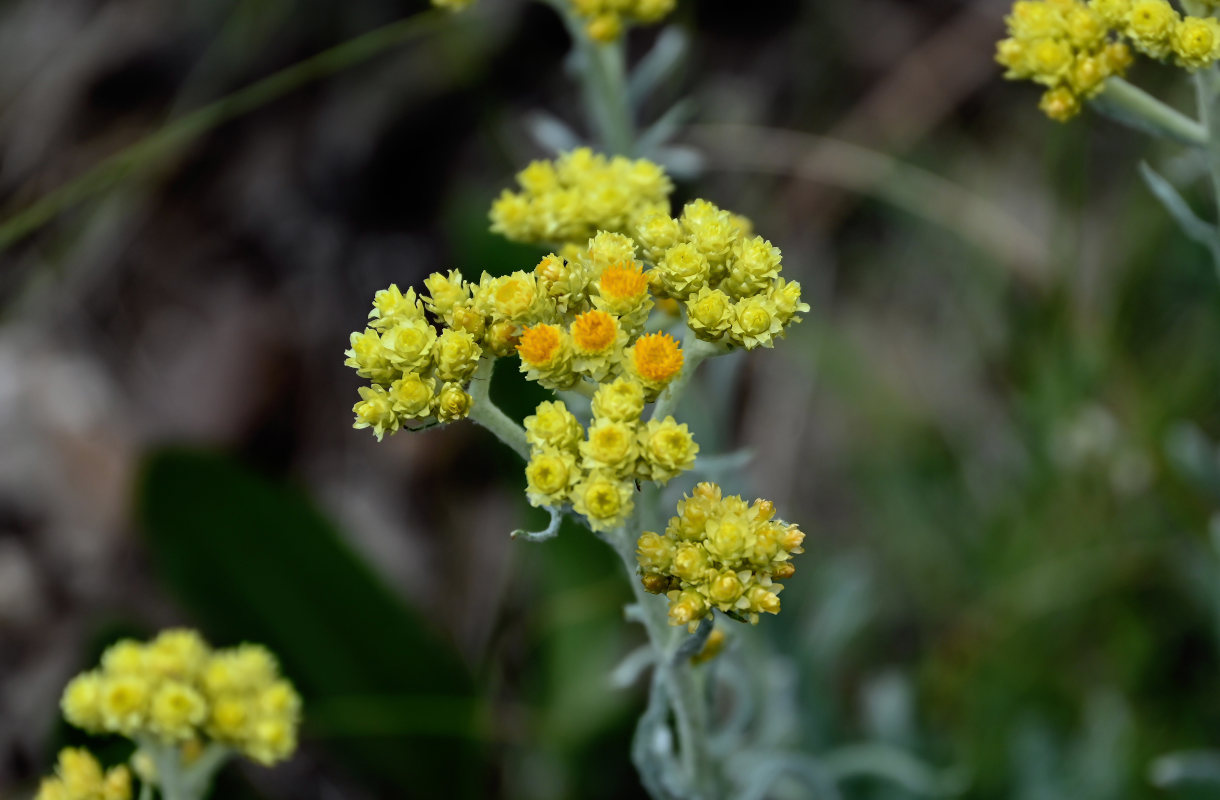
(79, 776)
(719, 552)
(1072, 47)
(595, 471)
(176, 690)
(604, 19)
(577, 195)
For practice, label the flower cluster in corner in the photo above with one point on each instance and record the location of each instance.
(719, 553)
(1071, 47)
(79, 776)
(177, 692)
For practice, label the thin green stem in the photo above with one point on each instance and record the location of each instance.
(685, 687)
(1209, 114)
(603, 77)
(1136, 108)
(488, 414)
(167, 141)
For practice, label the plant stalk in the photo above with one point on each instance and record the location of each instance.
(1209, 115)
(1136, 108)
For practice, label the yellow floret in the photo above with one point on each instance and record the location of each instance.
(546, 356)
(549, 475)
(1196, 42)
(1150, 26)
(709, 313)
(755, 323)
(514, 298)
(374, 410)
(456, 355)
(272, 740)
(392, 307)
(1060, 104)
(411, 396)
(453, 403)
(603, 500)
(123, 701)
(81, 701)
(177, 709)
(622, 400)
(369, 357)
(655, 234)
(446, 291)
(682, 271)
(177, 653)
(611, 446)
(655, 359)
(668, 449)
(552, 425)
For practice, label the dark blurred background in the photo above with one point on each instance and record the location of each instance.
(995, 423)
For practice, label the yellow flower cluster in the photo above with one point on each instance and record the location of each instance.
(79, 776)
(580, 321)
(719, 552)
(578, 194)
(728, 279)
(594, 471)
(178, 691)
(1072, 47)
(604, 18)
(416, 373)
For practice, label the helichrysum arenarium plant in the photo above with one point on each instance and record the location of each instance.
(187, 707)
(1079, 51)
(615, 321)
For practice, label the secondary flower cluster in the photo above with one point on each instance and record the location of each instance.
(594, 471)
(728, 279)
(604, 18)
(176, 690)
(1072, 47)
(79, 776)
(719, 552)
(416, 373)
(577, 195)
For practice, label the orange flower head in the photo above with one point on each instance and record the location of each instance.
(594, 331)
(539, 344)
(657, 357)
(622, 281)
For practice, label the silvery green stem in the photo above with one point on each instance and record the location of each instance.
(684, 684)
(178, 781)
(1209, 114)
(603, 78)
(1136, 108)
(489, 415)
